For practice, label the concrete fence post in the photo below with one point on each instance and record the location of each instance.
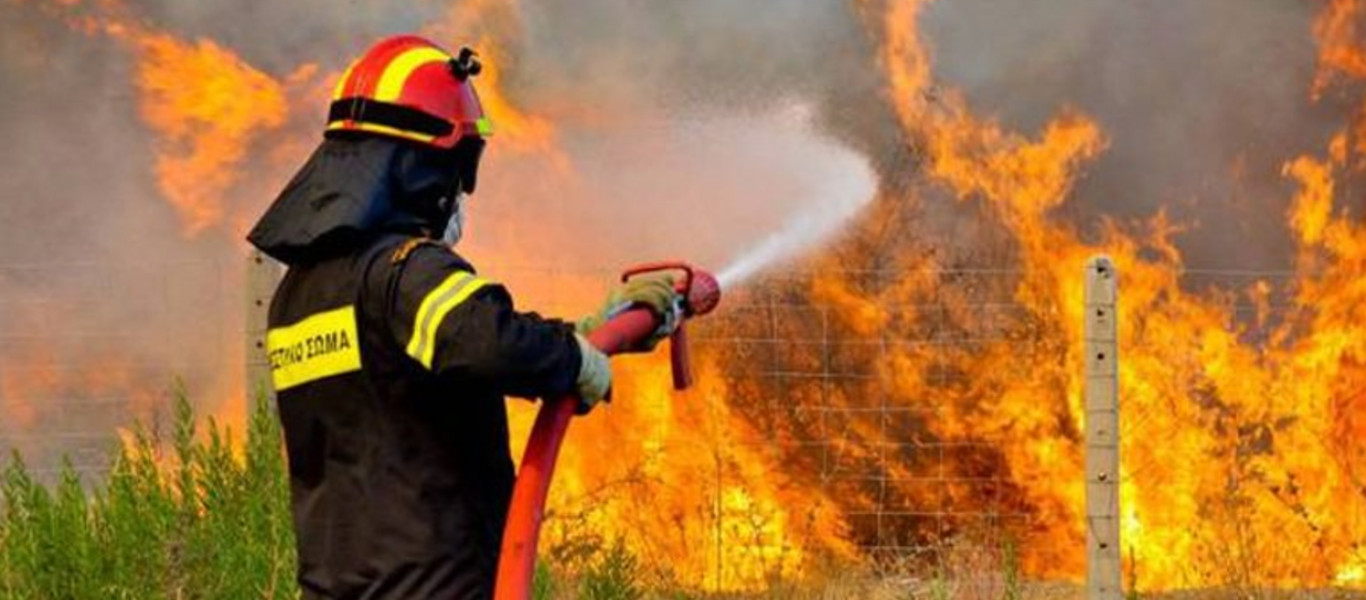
(1101, 332)
(262, 276)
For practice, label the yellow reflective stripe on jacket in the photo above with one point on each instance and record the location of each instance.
(438, 303)
(320, 345)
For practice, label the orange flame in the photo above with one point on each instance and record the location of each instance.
(1231, 447)
(207, 107)
(1243, 443)
(205, 104)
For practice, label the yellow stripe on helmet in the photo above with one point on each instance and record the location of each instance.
(381, 129)
(396, 74)
(341, 83)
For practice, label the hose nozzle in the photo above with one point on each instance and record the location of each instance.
(701, 294)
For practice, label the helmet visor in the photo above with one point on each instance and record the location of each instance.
(467, 153)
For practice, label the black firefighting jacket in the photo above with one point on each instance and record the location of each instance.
(391, 365)
(391, 357)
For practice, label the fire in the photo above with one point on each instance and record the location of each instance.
(1340, 53)
(677, 477)
(39, 389)
(1342, 57)
(1243, 440)
(205, 127)
(18, 384)
(1231, 446)
(681, 478)
(207, 107)
(680, 475)
(520, 131)
(515, 129)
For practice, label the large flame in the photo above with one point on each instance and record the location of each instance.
(1243, 439)
(1239, 449)
(206, 106)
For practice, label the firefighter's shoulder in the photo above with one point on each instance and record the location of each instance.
(427, 269)
(427, 252)
(435, 286)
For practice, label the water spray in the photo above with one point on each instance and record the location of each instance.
(846, 195)
(798, 234)
(517, 563)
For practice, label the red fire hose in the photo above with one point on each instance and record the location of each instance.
(517, 563)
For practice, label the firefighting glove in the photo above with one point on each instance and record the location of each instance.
(595, 376)
(654, 291)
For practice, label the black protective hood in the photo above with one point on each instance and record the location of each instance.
(351, 190)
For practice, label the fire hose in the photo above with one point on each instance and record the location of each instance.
(700, 294)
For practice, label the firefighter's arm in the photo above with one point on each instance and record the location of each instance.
(456, 323)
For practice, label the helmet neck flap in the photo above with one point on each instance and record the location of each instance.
(404, 137)
(354, 189)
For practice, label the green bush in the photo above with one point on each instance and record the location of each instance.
(202, 522)
(198, 516)
(614, 576)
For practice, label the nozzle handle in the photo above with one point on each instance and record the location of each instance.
(682, 285)
(700, 290)
(700, 293)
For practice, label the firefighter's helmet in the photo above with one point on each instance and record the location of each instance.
(409, 88)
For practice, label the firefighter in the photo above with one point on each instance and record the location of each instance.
(391, 355)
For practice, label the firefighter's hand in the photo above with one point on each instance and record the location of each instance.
(595, 376)
(654, 291)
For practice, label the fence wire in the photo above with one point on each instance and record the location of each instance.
(85, 348)
(836, 410)
(878, 418)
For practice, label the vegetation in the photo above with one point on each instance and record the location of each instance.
(196, 516)
(209, 520)
(201, 516)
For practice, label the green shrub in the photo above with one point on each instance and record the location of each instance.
(203, 522)
(200, 517)
(544, 585)
(193, 517)
(614, 576)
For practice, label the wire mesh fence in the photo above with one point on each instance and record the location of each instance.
(87, 347)
(844, 408)
(891, 401)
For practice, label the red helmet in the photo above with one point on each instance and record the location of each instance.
(409, 88)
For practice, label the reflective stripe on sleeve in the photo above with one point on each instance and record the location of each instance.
(435, 306)
(318, 346)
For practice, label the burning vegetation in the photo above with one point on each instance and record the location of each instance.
(909, 386)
